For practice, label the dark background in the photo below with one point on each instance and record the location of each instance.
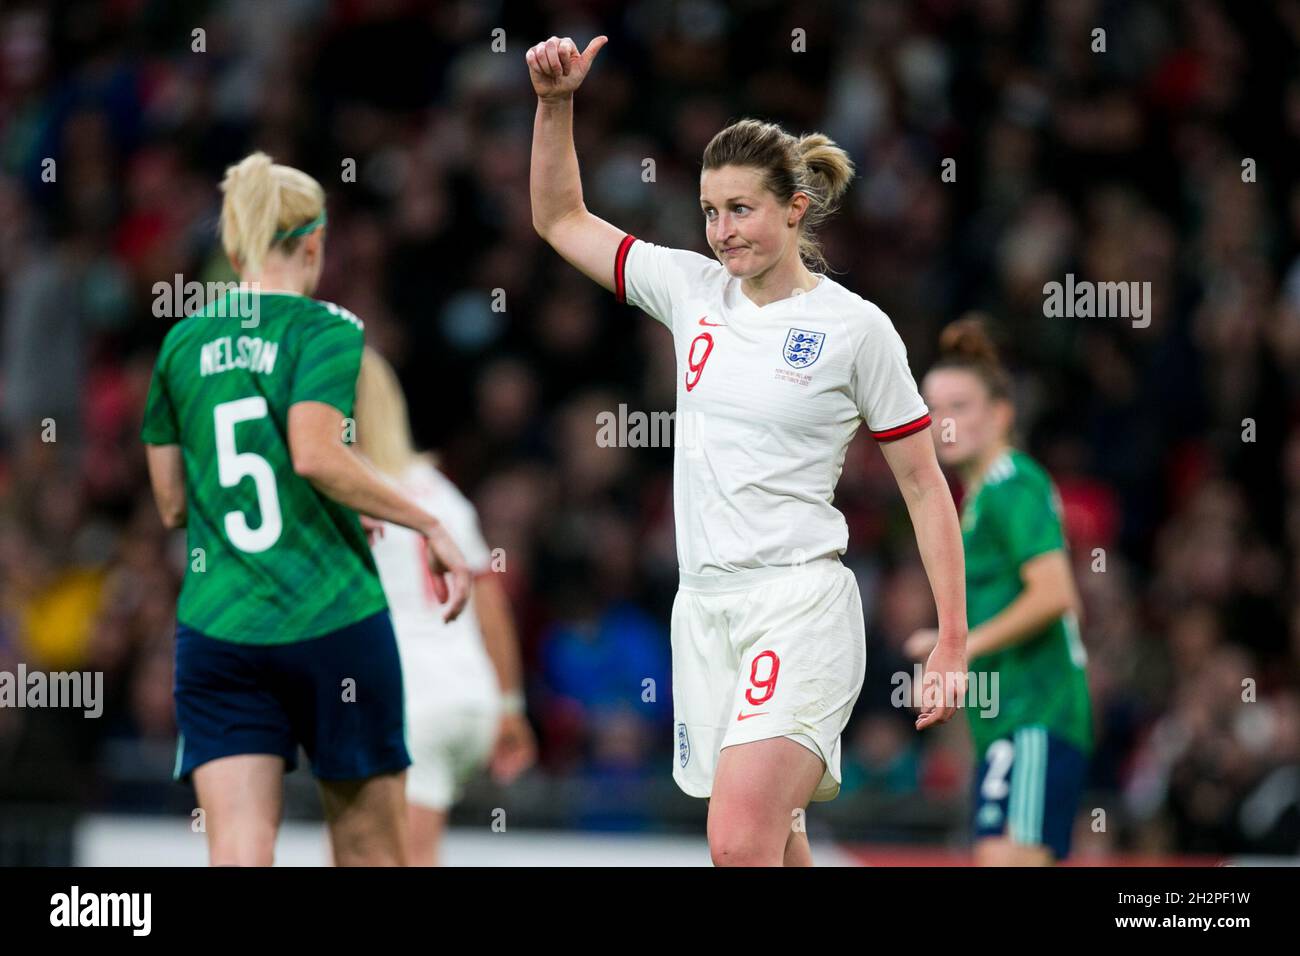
(1117, 166)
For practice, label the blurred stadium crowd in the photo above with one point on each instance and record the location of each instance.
(1122, 165)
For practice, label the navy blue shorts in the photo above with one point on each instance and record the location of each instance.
(1027, 788)
(339, 696)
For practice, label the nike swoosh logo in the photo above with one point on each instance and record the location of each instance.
(704, 321)
(740, 716)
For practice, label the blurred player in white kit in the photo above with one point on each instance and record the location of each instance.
(464, 703)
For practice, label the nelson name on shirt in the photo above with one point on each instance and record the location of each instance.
(248, 352)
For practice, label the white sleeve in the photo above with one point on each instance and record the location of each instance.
(461, 519)
(657, 279)
(883, 387)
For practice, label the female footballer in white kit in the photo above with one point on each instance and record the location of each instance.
(462, 679)
(777, 367)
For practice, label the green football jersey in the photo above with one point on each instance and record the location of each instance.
(272, 560)
(1015, 515)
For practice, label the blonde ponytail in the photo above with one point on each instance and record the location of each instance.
(383, 423)
(825, 176)
(263, 200)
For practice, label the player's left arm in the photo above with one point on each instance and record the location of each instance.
(938, 532)
(515, 749)
(492, 607)
(938, 537)
(167, 477)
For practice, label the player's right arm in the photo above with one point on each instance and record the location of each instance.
(586, 242)
(321, 395)
(335, 471)
(319, 455)
(167, 478)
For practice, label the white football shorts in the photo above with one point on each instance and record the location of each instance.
(774, 652)
(453, 712)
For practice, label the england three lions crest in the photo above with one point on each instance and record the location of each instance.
(803, 347)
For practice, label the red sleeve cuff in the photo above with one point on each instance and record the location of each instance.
(902, 431)
(620, 261)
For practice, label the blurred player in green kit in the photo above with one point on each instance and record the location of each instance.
(283, 634)
(1033, 743)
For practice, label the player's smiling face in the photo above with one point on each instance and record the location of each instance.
(748, 229)
(963, 410)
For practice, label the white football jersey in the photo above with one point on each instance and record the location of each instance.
(768, 399)
(440, 661)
